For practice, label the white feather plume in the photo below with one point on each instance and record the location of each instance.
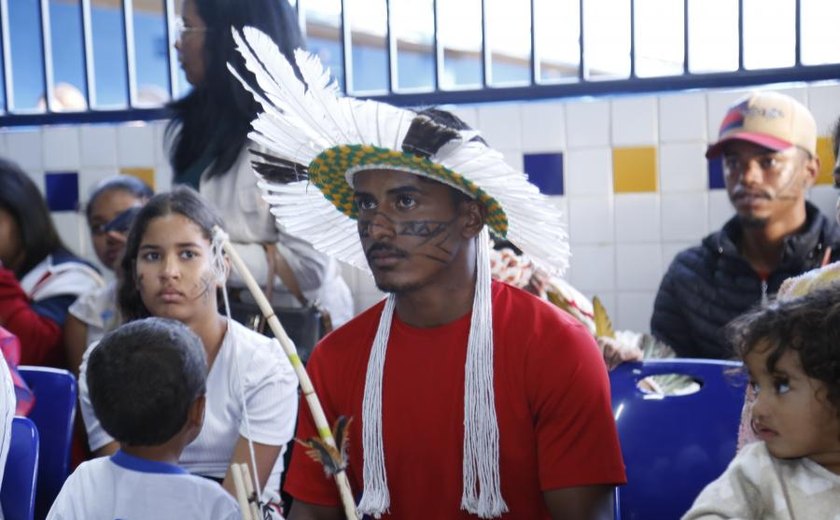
(301, 119)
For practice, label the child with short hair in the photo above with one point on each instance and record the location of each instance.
(147, 383)
(792, 351)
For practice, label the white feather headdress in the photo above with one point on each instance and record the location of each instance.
(309, 127)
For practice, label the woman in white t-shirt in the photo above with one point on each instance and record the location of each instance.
(171, 271)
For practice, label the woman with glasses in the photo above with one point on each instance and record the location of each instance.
(39, 276)
(209, 147)
(109, 212)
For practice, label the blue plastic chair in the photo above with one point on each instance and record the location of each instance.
(54, 412)
(673, 446)
(17, 492)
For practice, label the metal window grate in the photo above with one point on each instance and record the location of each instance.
(583, 77)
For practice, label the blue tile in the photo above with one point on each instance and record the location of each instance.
(62, 191)
(716, 174)
(546, 171)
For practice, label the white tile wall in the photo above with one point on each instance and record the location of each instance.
(24, 148)
(682, 167)
(588, 123)
(634, 121)
(135, 145)
(593, 268)
(591, 220)
(638, 267)
(501, 125)
(99, 146)
(621, 243)
(824, 102)
(634, 310)
(682, 117)
(61, 148)
(588, 171)
(543, 127)
(684, 216)
(637, 218)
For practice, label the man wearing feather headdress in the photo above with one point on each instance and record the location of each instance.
(470, 398)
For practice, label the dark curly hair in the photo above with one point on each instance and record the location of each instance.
(143, 377)
(808, 325)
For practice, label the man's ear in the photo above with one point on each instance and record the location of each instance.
(812, 171)
(475, 216)
(195, 413)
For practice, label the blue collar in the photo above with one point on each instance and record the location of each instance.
(130, 462)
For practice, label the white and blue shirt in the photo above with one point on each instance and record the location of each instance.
(125, 487)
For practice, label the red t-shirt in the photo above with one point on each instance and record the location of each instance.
(552, 393)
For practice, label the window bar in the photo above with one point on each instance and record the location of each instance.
(686, 69)
(797, 53)
(87, 55)
(486, 51)
(171, 53)
(391, 51)
(8, 90)
(535, 57)
(438, 47)
(582, 59)
(632, 39)
(46, 49)
(346, 48)
(740, 35)
(128, 33)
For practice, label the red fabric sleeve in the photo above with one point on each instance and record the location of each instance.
(576, 435)
(40, 337)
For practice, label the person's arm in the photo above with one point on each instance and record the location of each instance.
(75, 342)
(39, 332)
(580, 503)
(305, 511)
(264, 455)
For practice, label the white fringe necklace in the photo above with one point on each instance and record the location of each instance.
(481, 494)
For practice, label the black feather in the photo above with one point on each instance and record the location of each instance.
(275, 169)
(425, 136)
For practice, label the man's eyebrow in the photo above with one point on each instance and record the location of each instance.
(404, 189)
(393, 191)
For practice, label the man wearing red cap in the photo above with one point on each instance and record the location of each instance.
(767, 143)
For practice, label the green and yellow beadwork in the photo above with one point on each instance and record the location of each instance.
(327, 172)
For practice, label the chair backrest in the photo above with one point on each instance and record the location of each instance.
(17, 492)
(54, 412)
(674, 445)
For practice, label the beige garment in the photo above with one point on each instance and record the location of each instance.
(759, 486)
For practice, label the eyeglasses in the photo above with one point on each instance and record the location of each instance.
(180, 29)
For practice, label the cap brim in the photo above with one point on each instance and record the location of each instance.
(767, 141)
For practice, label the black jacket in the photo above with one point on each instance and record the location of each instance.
(709, 285)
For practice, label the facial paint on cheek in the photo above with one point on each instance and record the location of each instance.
(204, 287)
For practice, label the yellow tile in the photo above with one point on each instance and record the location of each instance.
(634, 169)
(826, 155)
(146, 175)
